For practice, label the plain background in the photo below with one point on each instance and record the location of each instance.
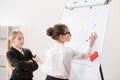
(35, 16)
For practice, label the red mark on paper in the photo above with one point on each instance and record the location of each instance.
(94, 56)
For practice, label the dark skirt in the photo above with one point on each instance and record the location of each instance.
(20, 79)
(53, 78)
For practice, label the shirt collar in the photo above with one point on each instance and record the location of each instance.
(59, 44)
(19, 49)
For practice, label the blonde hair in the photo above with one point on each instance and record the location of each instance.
(12, 36)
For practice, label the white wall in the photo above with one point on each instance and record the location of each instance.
(36, 15)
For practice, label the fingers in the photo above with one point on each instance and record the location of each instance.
(93, 37)
(37, 59)
(34, 59)
(94, 34)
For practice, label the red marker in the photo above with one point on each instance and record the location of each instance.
(94, 56)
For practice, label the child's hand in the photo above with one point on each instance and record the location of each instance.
(92, 39)
(37, 59)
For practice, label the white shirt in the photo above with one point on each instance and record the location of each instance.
(59, 58)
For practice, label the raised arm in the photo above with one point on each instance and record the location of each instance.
(79, 55)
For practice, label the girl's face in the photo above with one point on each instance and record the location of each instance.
(66, 37)
(18, 41)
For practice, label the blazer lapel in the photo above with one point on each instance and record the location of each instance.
(17, 52)
(26, 53)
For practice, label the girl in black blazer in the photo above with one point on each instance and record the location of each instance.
(20, 60)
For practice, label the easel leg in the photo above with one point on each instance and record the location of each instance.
(101, 73)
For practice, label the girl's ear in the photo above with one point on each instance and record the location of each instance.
(12, 41)
(61, 37)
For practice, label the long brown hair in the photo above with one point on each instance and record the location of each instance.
(12, 36)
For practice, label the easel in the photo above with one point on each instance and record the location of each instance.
(101, 73)
(77, 6)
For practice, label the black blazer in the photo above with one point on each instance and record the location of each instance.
(24, 65)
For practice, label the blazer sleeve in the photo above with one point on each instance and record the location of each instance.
(34, 65)
(18, 64)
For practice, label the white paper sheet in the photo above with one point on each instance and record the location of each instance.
(82, 21)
